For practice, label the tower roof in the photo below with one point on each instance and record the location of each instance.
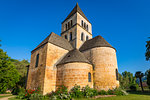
(76, 9)
(56, 40)
(74, 56)
(97, 41)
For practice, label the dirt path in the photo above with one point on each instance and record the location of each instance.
(6, 98)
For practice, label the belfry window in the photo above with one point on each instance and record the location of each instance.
(82, 23)
(66, 26)
(85, 25)
(71, 22)
(87, 37)
(87, 28)
(82, 36)
(89, 77)
(117, 78)
(37, 60)
(70, 36)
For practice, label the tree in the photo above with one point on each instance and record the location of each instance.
(126, 79)
(147, 73)
(147, 54)
(9, 75)
(139, 75)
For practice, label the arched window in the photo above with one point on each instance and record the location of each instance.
(37, 60)
(87, 37)
(82, 23)
(70, 36)
(82, 36)
(89, 77)
(87, 28)
(117, 78)
(66, 26)
(85, 25)
(71, 22)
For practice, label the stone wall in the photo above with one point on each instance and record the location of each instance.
(54, 55)
(105, 65)
(74, 73)
(36, 74)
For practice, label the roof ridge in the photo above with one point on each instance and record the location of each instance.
(74, 10)
(56, 40)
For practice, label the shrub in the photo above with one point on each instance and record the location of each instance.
(89, 92)
(37, 96)
(102, 92)
(27, 93)
(76, 92)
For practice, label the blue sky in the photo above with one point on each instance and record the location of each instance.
(125, 24)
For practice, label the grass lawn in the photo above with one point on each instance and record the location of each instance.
(5, 96)
(132, 96)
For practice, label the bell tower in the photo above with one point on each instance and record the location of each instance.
(76, 28)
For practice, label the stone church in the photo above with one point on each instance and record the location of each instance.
(75, 57)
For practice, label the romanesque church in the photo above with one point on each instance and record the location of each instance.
(75, 57)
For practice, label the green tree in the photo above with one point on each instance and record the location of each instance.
(139, 75)
(147, 54)
(126, 79)
(147, 73)
(9, 75)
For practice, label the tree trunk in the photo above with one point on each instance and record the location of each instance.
(141, 84)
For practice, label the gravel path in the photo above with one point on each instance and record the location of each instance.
(6, 98)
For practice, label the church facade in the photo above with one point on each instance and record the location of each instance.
(73, 58)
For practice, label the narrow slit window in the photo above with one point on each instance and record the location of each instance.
(87, 28)
(66, 37)
(89, 77)
(71, 22)
(82, 36)
(37, 60)
(117, 78)
(66, 26)
(82, 23)
(87, 37)
(70, 36)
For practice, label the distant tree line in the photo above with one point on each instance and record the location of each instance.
(12, 72)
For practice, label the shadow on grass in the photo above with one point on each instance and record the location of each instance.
(139, 92)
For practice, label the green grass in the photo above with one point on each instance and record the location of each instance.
(5, 96)
(132, 96)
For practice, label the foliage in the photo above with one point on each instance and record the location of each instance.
(147, 73)
(76, 92)
(26, 94)
(147, 54)
(89, 92)
(126, 79)
(139, 75)
(102, 92)
(133, 87)
(37, 96)
(9, 76)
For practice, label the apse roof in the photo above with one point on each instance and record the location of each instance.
(97, 41)
(74, 56)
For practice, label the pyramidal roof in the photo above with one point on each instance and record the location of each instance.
(76, 9)
(97, 41)
(74, 56)
(56, 40)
